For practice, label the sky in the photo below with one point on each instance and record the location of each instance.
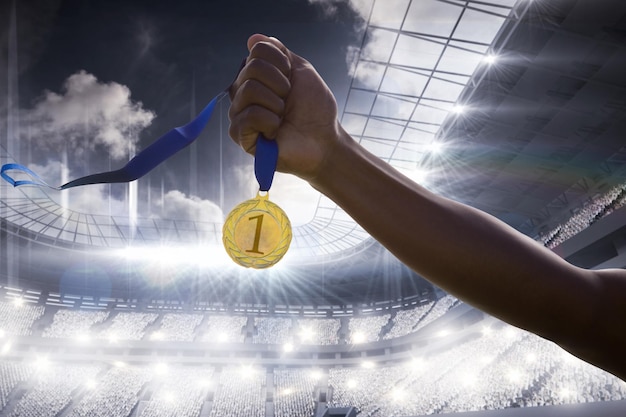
(98, 81)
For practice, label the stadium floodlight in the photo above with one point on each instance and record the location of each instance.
(417, 363)
(204, 383)
(358, 337)
(490, 59)
(459, 109)
(436, 147)
(510, 332)
(469, 379)
(162, 255)
(565, 392)
(42, 363)
(417, 174)
(156, 335)
(306, 334)
(316, 375)
(486, 359)
(514, 375)
(160, 368)
(568, 357)
(247, 371)
(398, 394)
(443, 333)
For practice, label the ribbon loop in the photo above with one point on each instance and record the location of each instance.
(265, 160)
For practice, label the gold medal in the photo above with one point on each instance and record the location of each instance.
(257, 233)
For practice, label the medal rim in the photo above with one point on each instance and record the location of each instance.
(228, 233)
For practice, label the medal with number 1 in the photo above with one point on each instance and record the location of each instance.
(257, 232)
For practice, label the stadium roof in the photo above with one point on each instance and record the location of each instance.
(514, 107)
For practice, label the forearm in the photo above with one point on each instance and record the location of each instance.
(463, 250)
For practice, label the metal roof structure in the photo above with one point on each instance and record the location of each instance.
(517, 108)
(407, 78)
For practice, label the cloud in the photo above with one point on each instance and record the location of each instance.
(328, 7)
(86, 115)
(177, 205)
(331, 7)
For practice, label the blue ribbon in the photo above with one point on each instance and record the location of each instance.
(265, 159)
(144, 162)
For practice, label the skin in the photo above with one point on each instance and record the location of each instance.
(467, 252)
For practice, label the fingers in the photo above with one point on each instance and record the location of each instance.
(267, 64)
(259, 92)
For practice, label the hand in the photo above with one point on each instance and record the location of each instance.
(280, 95)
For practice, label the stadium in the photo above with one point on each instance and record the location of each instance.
(118, 313)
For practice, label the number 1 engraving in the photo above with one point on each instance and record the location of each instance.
(257, 234)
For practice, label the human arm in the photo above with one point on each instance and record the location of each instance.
(464, 251)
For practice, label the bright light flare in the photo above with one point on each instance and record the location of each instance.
(565, 393)
(247, 372)
(514, 375)
(436, 148)
(531, 358)
(42, 363)
(417, 363)
(306, 334)
(490, 59)
(398, 394)
(288, 347)
(418, 175)
(443, 333)
(316, 375)
(459, 109)
(157, 336)
(358, 337)
(469, 379)
(368, 364)
(486, 359)
(161, 368)
(176, 255)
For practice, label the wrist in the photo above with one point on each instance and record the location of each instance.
(340, 153)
